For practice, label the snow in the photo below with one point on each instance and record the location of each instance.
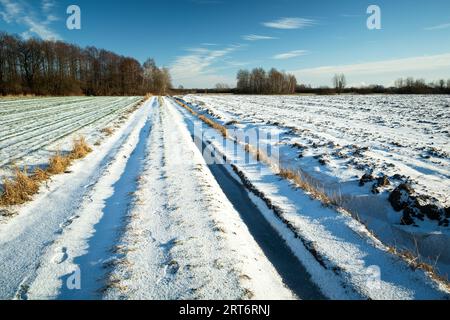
(398, 130)
(380, 134)
(144, 215)
(351, 254)
(36, 128)
(25, 237)
(184, 239)
(168, 231)
(88, 240)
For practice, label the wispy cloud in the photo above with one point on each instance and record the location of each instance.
(290, 23)
(290, 54)
(10, 10)
(439, 27)
(200, 67)
(48, 5)
(36, 20)
(256, 37)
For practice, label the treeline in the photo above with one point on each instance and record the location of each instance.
(411, 85)
(57, 68)
(258, 81)
(401, 86)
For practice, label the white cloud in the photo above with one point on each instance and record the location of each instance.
(10, 10)
(199, 68)
(290, 23)
(439, 27)
(48, 5)
(16, 12)
(382, 72)
(290, 54)
(41, 29)
(255, 37)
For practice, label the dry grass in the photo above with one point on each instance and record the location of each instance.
(415, 263)
(107, 131)
(22, 186)
(223, 130)
(303, 183)
(80, 149)
(186, 107)
(58, 164)
(40, 175)
(19, 189)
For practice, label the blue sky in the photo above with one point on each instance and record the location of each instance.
(204, 42)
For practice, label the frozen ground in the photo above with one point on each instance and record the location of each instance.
(407, 135)
(337, 140)
(33, 129)
(145, 216)
(342, 256)
(142, 217)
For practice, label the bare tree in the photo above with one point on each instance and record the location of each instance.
(339, 82)
(399, 83)
(243, 81)
(261, 82)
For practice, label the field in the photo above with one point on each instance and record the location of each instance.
(30, 125)
(353, 135)
(360, 149)
(148, 215)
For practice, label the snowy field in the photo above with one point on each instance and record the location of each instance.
(32, 129)
(146, 216)
(336, 140)
(390, 134)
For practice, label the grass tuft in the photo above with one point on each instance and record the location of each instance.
(40, 175)
(58, 164)
(80, 149)
(19, 189)
(107, 131)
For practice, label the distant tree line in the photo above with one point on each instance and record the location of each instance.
(57, 68)
(258, 81)
(411, 85)
(401, 86)
(339, 86)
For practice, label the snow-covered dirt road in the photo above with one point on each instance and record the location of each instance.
(140, 218)
(146, 216)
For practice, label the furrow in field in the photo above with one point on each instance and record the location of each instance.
(19, 112)
(47, 124)
(17, 106)
(41, 137)
(59, 110)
